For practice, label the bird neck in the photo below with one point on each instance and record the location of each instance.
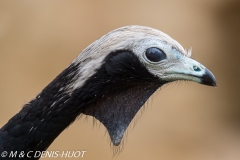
(41, 120)
(113, 94)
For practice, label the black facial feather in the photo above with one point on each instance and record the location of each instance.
(113, 95)
(121, 87)
(113, 92)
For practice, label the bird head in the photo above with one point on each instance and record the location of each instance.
(122, 69)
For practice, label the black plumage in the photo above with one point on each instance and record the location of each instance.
(113, 94)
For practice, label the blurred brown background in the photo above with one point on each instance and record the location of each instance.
(184, 121)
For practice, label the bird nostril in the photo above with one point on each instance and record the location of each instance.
(197, 69)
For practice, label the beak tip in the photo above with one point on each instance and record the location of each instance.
(209, 79)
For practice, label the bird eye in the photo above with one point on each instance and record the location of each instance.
(155, 54)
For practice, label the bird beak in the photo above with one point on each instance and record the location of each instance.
(191, 70)
(208, 79)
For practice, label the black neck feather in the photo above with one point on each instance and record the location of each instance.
(113, 95)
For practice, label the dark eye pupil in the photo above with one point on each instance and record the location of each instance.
(155, 54)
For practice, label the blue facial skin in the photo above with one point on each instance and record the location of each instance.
(197, 69)
(179, 55)
(176, 52)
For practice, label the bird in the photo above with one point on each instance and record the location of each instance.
(110, 80)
